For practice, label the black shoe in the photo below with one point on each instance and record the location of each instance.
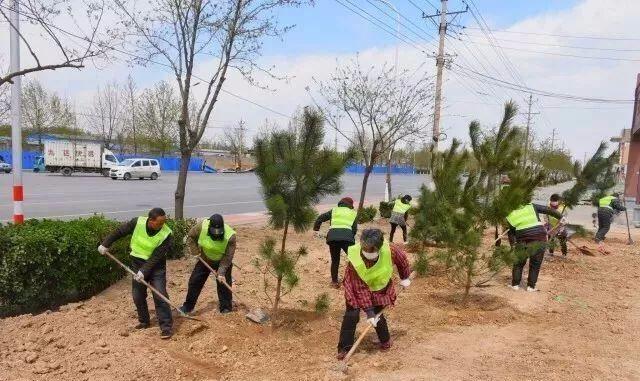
(225, 311)
(143, 325)
(185, 311)
(166, 334)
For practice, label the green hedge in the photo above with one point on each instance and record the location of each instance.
(46, 263)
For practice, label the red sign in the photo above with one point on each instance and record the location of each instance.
(66, 152)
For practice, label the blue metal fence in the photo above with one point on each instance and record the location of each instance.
(395, 169)
(166, 163)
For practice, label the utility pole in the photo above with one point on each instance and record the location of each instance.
(553, 139)
(440, 63)
(16, 114)
(526, 137)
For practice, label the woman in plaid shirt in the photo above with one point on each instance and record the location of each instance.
(368, 285)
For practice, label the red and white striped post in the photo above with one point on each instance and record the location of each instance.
(16, 115)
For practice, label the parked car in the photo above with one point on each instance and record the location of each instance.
(136, 168)
(5, 167)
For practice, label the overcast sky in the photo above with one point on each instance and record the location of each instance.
(540, 49)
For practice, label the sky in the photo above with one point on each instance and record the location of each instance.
(543, 45)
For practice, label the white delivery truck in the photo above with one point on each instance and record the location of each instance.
(67, 156)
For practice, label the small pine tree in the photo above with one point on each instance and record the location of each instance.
(457, 212)
(294, 172)
(597, 174)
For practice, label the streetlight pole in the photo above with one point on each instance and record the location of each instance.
(387, 190)
(16, 113)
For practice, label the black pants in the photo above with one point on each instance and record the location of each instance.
(605, 216)
(533, 251)
(158, 279)
(393, 231)
(334, 249)
(197, 280)
(348, 329)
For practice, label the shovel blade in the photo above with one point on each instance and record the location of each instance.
(257, 316)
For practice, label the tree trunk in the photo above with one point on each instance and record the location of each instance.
(388, 184)
(185, 158)
(365, 180)
(467, 285)
(276, 300)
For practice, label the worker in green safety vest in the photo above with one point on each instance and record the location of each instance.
(556, 232)
(342, 232)
(215, 242)
(608, 207)
(529, 236)
(151, 242)
(399, 216)
(368, 286)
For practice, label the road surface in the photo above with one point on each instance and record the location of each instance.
(55, 196)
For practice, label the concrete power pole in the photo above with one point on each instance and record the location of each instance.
(526, 137)
(440, 63)
(16, 114)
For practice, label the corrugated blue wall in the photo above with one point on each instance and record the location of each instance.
(166, 163)
(395, 169)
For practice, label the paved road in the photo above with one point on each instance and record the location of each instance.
(55, 196)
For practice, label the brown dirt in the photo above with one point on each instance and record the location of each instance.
(582, 325)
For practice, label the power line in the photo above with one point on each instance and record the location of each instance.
(557, 45)
(562, 35)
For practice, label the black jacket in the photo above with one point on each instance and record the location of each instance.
(337, 235)
(158, 258)
(536, 233)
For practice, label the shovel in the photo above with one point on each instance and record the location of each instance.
(582, 249)
(630, 241)
(343, 366)
(150, 287)
(256, 315)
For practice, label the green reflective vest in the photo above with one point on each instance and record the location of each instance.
(213, 249)
(377, 276)
(605, 202)
(142, 245)
(343, 217)
(401, 207)
(524, 217)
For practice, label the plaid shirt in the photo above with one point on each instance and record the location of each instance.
(358, 294)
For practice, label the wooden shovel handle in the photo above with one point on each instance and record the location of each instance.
(153, 289)
(215, 273)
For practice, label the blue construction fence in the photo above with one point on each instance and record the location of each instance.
(166, 163)
(395, 169)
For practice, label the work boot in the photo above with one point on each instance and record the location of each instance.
(166, 334)
(143, 326)
(515, 287)
(385, 346)
(185, 311)
(225, 311)
(335, 285)
(531, 289)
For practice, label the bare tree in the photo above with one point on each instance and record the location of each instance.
(132, 112)
(184, 35)
(382, 108)
(42, 111)
(106, 118)
(57, 34)
(5, 105)
(159, 113)
(234, 138)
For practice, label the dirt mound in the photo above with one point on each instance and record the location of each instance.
(581, 325)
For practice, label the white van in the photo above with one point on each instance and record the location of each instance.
(136, 169)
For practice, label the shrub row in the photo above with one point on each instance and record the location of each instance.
(46, 263)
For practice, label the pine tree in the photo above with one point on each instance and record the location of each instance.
(294, 172)
(597, 174)
(456, 213)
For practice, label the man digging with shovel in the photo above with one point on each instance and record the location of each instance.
(151, 240)
(368, 285)
(215, 243)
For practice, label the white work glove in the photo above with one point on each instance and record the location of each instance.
(103, 250)
(373, 321)
(139, 276)
(564, 221)
(221, 278)
(405, 283)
